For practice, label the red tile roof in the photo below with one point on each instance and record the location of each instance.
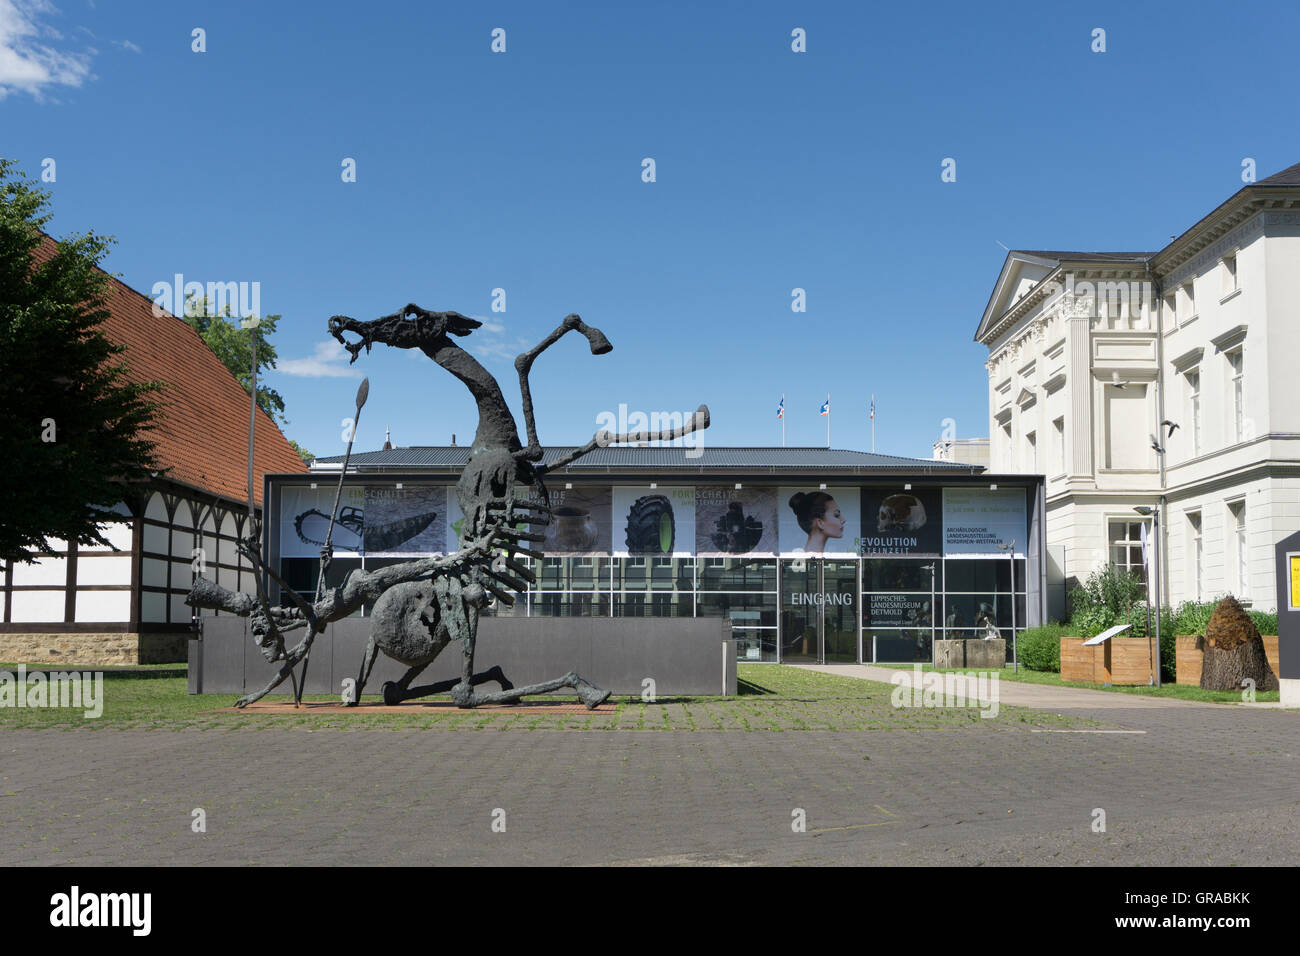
(202, 430)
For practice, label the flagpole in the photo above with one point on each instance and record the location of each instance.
(783, 419)
(828, 419)
(873, 424)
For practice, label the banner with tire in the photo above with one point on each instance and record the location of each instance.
(653, 521)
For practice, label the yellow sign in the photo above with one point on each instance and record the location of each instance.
(1295, 580)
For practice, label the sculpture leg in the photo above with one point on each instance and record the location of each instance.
(395, 692)
(463, 692)
(367, 665)
(588, 693)
(285, 672)
(442, 686)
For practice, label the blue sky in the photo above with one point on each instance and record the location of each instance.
(522, 171)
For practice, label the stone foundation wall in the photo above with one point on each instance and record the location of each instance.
(93, 650)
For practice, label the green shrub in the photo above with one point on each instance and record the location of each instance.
(1107, 598)
(1039, 648)
(1192, 616)
(1266, 621)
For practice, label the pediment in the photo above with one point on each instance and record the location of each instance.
(1021, 273)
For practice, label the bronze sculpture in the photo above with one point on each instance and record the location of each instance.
(421, 606)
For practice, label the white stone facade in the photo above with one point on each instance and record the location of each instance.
(1090, 352)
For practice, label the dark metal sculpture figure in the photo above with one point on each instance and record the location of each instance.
(421, 606)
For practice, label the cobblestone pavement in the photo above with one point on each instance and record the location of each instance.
(1191, 786)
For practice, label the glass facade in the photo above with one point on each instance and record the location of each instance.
(811, 610)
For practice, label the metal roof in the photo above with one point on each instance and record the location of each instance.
(634, 458)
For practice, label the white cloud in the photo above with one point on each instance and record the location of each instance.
(488, 342)
(330, 360)
(126, 45)
(26, 63)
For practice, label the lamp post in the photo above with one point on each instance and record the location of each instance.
(1154, 514)
(1010, 549)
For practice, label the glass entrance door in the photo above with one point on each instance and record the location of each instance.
(800, 612)
(839, 588)
(819, 611)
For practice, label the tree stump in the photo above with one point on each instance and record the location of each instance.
(1234, 651)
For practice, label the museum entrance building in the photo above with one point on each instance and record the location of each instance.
(813, 555)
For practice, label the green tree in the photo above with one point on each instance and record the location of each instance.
(306, 456)
(233, 346)
(73, 426)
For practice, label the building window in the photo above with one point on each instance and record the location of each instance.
(1188, 295)
(1235, 365)
(1240, 552)
(1126, 548)
(1194, 408)
(1031, 452)
(1058, 436)
(1195, 555)
(1229, 274)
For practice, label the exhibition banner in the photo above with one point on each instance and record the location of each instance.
(305, 519)
(406, 521)
(732, 521)
(897, 521)
(819, 521)
(977, 520)
(653, 521)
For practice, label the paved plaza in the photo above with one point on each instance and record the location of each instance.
(1180, 783)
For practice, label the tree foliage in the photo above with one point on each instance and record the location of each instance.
(233, 346)
(73, 427)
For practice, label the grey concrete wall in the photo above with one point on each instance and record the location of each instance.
(682, 655)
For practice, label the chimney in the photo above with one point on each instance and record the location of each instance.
(453, 439)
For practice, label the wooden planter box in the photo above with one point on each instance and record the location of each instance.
(1121, 660)
(1191, 654)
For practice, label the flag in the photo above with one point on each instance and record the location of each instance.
(872, 416)
(826, 409)
(780, 409)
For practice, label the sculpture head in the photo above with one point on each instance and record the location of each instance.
(411, 327)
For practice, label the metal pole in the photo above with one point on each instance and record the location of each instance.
(1015, 657)
(933, 648)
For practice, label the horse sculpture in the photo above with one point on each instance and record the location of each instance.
(422, 606)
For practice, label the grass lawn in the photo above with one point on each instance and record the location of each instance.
(771, 698)
(1179, 691)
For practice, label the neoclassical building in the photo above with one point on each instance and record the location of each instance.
(1090, 352)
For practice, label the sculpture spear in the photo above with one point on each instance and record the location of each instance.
(327, 551)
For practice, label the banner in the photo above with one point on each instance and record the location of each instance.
(407, 521)
(977, 520)
(305, 519)
(731, 521)
(653, 521)
(896, 521)
(580, 521)
(817, 521)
